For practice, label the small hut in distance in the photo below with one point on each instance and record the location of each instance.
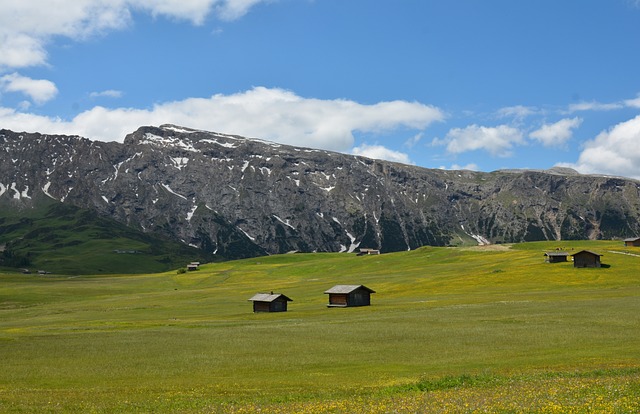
(586, 258)
(556, 257)
(366, 252)
(632, 242)
(342, 296)
(270, 302)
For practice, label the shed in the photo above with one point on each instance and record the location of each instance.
(586, 258)
(342, 296)
(191, 267)
(366, 251)
(632, 242)
(556, 257)
(270, 302)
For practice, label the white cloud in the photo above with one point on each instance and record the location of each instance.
(272, 114)
(19, 50)
(518, 111)
(234, 9)
(457, 167)
(556, 134)
(379, 152)
(633, 103)
(26, 27)
(613, 152)
(39, 90)
(411, 142)
(598, 106)
(498, 141)
(110, 93)
(594, 106)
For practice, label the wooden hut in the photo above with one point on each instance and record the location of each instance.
(556, 257)
(342, 296)
(586, 258)
(366, 251)
(632, 242)
(270, 302)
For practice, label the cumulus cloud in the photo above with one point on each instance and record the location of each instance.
(498, 141)
(381, 153)
(613, 152)
(273, 114)
(39, 90)
(26, 27)
(556, 134)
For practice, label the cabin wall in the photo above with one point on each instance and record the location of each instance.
(586, 261)
(261, 307)
(279, 306)
(359, 298)
(275, 306)
(338, 299)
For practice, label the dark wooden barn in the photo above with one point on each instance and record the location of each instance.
(586, 258)
(342, 296)
(556, 257)
(270, 302)
(632, 242)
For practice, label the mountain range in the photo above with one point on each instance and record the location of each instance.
(237, 197)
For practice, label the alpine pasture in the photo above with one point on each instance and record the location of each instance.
(479, 329)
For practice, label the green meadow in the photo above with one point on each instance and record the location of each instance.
(479, 329)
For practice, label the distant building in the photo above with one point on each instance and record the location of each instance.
(632, 242)
(365, 251)
(342, 296)
(192, 267)
(556, 257)
(270, 302)
(586, 258)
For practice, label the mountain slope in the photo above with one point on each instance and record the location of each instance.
(61, 238)
(239, 197)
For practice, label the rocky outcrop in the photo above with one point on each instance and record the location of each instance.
(242, 197)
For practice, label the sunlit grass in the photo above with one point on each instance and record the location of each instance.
(189, 342)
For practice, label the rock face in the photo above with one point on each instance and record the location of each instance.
(242, 197)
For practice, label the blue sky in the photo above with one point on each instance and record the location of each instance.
(482, 85)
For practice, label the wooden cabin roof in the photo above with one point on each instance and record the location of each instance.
(587, 251)
(346, 289)
(632, 239)
(269, 297)
(557, 254)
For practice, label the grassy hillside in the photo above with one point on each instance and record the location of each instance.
(449, 330)
(63, 239)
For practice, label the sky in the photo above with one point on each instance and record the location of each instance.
(456, 84)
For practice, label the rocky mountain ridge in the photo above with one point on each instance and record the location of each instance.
(240, 197)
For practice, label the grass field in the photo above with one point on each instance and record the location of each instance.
(486, 329)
